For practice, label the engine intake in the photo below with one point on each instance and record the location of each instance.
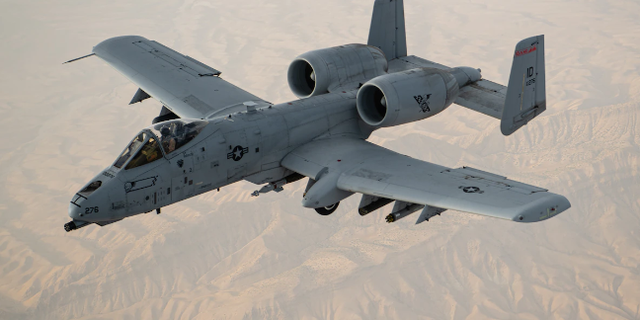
(406, 96)
(320, 71)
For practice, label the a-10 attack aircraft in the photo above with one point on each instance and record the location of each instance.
(211, 133)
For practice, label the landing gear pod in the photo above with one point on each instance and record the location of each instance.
(324, 193)
(325, 211)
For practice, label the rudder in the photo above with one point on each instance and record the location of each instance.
(387, 30)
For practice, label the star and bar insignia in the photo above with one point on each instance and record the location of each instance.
(237, 153)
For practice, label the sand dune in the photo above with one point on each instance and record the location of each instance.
(227, 255)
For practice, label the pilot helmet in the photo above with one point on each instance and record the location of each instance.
(165, 131)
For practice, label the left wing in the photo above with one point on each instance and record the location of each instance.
(380, 173)
(187, 87)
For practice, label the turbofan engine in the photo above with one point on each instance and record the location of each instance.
(319, 71)
(411, 95)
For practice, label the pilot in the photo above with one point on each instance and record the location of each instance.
(168, 142)
(152, 152)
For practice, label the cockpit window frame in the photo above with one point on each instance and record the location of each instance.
(193, 129)
(195, 125)
(131, 153)
(148, 135)
(141, 149)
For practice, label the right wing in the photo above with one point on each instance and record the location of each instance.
(363, 167)
(187, 87)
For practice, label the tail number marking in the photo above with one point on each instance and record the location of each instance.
(530, 74)
(90, 210)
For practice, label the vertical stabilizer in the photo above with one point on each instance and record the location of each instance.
(526, 97)
(387, 30)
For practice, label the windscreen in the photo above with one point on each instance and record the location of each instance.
(177, 133)
(150, 152)
(135, 144)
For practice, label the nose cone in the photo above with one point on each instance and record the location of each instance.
(74, 212)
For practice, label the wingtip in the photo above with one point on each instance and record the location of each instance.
(547, 207)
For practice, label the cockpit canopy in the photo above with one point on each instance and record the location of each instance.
(143, 149)
(150, 144)
(176, 133)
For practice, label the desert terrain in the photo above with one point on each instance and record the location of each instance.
(227, 255)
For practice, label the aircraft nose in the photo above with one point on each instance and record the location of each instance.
(74, 212)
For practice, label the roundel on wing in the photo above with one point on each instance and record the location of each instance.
(471, 189)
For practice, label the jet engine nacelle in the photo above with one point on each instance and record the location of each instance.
(407, 96)
(319, 71)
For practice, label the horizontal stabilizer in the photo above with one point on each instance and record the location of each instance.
(483, 96)
(524, 98)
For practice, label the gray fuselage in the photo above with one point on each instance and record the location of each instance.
(244, 145)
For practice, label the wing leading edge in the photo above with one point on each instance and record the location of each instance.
(375, 171)
(184, 85)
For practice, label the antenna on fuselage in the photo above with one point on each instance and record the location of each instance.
(387, 30)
